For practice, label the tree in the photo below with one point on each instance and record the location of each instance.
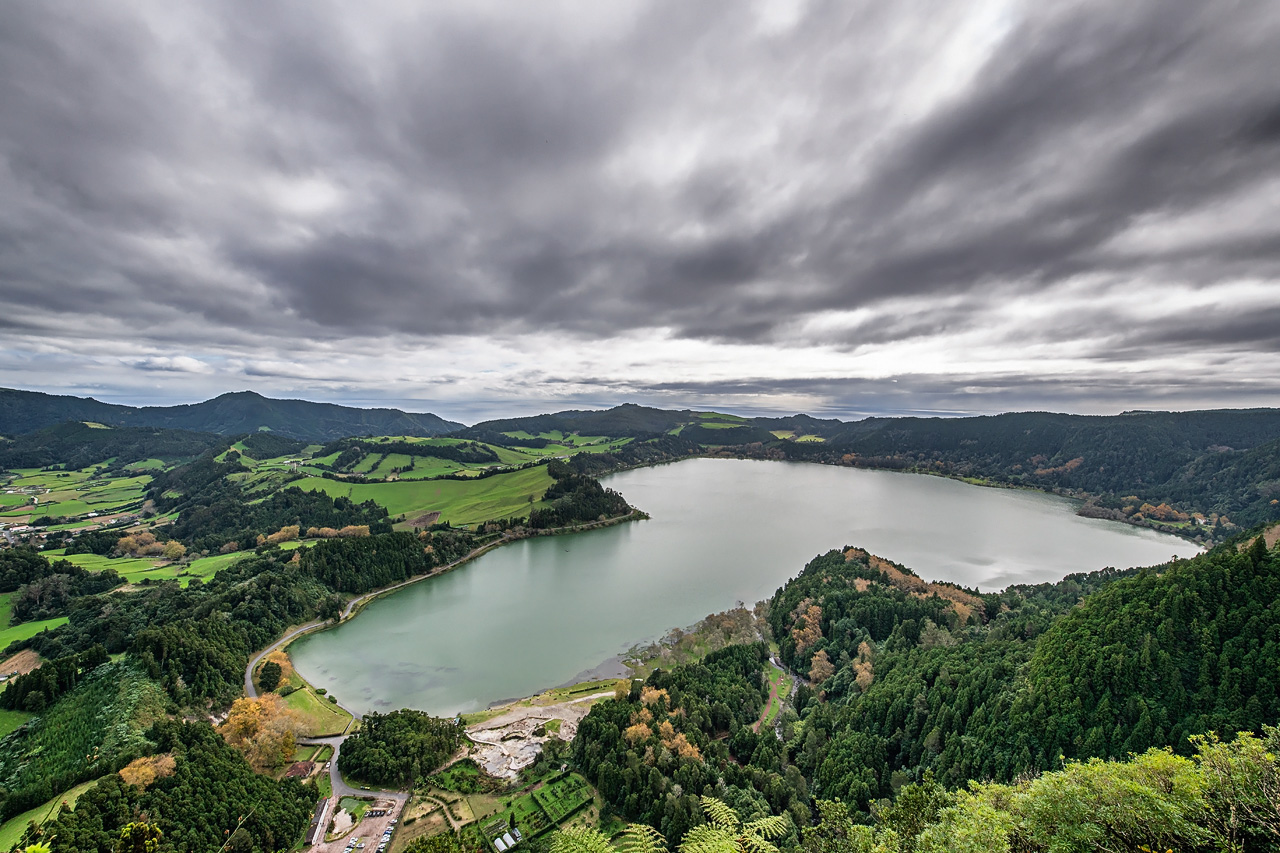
(820, 668)
(269, 676)
(262, 729)
(139, 837)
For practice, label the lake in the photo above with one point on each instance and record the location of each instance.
(537, 613)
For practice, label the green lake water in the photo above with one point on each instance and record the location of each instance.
(539, 612)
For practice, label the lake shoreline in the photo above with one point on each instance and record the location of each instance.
(637, 584)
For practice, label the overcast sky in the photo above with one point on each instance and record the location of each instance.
(480, 209)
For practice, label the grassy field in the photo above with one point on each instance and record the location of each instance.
(135, 569)
(355, 807)
(459, 502)
(13, 828)
(783, 681)
(71, 493)
(132, 569)
(319, 716)
(28, 629)
(6, 609)
(206, 567)
(10, 720)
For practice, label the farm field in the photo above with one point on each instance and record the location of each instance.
(537, 810)
(70, 493)
(28, 629)
(457, 501)
(136, 569)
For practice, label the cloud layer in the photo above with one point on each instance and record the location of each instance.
(847, 208)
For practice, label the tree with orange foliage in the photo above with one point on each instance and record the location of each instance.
(263, 729)
(820, 668)
(808, 629)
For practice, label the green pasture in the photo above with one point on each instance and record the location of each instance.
(74, 494)
(135, 569)
(10, 720)
(426, 467)
(389, 462)
(737, 420)
(13, 828)
(6, 609)
(458, 501)
(27, 630)
(132, 569)
(319, 716)
(367, 464)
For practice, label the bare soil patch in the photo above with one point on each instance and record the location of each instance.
(21, 663)
(511, 740)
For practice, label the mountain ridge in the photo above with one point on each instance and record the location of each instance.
(233, 413)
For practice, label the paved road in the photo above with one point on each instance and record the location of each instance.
(340, 787)
(249, 687)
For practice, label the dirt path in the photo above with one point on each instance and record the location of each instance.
(773, 697)
(455, 825)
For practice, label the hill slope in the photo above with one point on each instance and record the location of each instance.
(229, 414)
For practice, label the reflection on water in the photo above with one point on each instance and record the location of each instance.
(533, 614)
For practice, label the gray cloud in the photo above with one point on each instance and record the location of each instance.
(181, 181)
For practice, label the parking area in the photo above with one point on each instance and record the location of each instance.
(372, 833)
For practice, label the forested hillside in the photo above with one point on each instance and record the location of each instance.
(914, 682)
(1213, 462)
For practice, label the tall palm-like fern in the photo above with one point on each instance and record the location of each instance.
(723, 833)
(726, 833)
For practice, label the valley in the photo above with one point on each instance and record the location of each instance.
(453, 573)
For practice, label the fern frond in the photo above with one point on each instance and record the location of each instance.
(755, 844)
(772, 827)
(707, 838)
(720, 815)
(641, 838)
(580, 840)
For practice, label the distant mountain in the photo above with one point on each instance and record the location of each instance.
(624, 420)
(230, 414)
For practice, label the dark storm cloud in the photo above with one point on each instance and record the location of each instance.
(206, 174)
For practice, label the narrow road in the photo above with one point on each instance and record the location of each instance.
(340, 787)
(249, 687)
